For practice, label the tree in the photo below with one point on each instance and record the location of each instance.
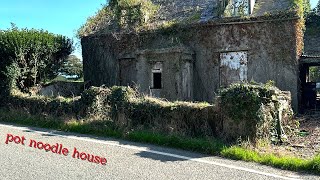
(306, 7)
(313, 20)
(318, 8)
(72, 67)
(28, 57)
(314, 72)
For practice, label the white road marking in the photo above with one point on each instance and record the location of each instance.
(154, 152)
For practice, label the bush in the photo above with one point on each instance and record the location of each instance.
(28, 57)
(243, 101)
(256, 111)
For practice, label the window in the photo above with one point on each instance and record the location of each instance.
(233, 8)
(156, 79)
(233, 67)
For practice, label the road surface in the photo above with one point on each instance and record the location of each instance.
(23, 157)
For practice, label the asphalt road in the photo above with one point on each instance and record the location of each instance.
(125, 160)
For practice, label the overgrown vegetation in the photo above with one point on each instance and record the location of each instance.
(119, 15)
(121, 112)
(203, 145)
(243, 101)
(250, 105)
(314, 74)
(139, 15)
(300, 6)
(28, 57)
(132, 111)
(259, 108)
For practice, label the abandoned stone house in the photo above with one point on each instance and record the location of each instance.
(249, 40)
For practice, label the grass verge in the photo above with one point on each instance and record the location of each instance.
(208, 146)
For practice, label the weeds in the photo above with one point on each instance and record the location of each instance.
(209, 146)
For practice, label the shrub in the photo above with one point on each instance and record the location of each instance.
(256, 111)
(28, 57)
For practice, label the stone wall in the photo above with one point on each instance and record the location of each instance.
(125, 109)
(272, 119)
(65, 89)
(271, 48)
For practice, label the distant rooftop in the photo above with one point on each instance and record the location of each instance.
(312, 37)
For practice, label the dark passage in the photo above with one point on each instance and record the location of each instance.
(310, 83)
(157, 81)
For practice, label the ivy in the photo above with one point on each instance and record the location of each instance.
(243, 101)
(120, 15)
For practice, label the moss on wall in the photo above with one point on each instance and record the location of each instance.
(273, 48)
(247, 111)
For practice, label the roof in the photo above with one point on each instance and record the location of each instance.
(310, 60)
(180, 9)
(312, 36)
(312, 44)
(208, 9)
(194, 11)
(263, 7)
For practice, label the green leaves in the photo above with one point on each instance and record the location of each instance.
(72, 67)
(119, 15)
(37, 54)
(242, 101)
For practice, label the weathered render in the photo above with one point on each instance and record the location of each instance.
(196, 60)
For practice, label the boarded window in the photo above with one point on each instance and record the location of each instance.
(233, 68)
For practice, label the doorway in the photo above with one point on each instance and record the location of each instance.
(310, 83)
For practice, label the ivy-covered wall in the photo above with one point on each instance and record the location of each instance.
(242, 111)
(273, 47)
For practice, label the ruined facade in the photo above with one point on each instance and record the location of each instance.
(192, 62)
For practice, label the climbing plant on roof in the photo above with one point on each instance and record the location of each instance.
(120, 15)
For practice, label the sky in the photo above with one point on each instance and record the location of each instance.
(313, 3)
(57, 16)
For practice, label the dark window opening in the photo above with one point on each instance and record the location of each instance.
(311, 87)
(157, 81)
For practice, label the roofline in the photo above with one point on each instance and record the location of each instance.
(234, 21)
(310, 56)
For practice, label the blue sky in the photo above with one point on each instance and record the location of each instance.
(313, 3)
(57, 16)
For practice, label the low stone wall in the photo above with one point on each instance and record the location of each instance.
(241, 111)
(66, 89)
(267, 115)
